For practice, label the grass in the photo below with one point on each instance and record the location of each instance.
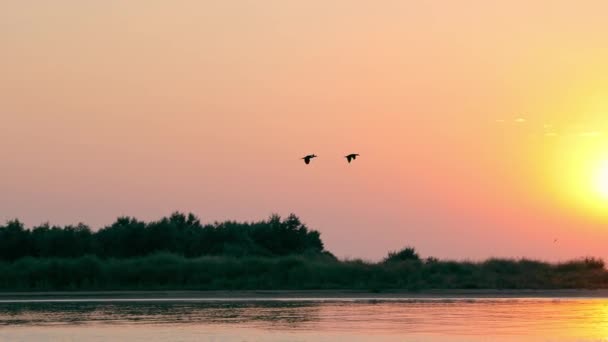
(164, 271)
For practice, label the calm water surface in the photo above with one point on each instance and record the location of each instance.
(484, 319)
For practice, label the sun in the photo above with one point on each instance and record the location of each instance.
(601, 180)
(577, 172)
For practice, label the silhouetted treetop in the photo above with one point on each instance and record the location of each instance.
(179, 234)
(405, 254)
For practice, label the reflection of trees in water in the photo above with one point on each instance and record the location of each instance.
(284, 315)
(46, 313)
(275, 314)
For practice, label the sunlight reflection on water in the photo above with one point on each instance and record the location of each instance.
(485, 319)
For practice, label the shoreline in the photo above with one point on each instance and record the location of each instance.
(295, 295)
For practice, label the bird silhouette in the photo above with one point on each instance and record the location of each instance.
(308, 158)
(351, 156)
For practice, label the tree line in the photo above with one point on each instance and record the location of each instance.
(178, 234)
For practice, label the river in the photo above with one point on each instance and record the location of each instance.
(305, 319)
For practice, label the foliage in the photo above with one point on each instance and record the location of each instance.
(166, 271)
(178, 234)
(180, 253)
(405, 254)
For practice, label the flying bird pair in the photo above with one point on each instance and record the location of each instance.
(349, 157)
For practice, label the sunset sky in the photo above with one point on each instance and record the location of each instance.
(482, 125)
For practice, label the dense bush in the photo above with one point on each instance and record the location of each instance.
(407, 253)
(165, 271)
(178, 234)
(180, 253)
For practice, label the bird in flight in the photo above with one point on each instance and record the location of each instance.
(308, 158)
(351, 156)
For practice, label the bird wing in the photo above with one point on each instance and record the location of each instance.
(307, 160)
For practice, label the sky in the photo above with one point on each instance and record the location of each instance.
(482, 126)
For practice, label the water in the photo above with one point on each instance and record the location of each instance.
(344, 319)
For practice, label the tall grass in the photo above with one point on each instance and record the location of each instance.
(165, 271)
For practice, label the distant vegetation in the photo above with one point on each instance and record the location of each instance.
(179, 234)
(408, 253)
(179, 253)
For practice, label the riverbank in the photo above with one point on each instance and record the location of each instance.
(321, 295)
(168, 272)
(178, 253)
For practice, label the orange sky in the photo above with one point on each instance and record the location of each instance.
(480, 125)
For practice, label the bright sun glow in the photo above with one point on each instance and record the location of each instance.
(579, 166)
(601, 180)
